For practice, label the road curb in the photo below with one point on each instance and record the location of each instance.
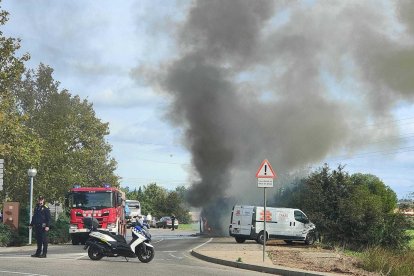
(257, 268)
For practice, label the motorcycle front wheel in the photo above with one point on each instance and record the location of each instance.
(146, 256)
(94, 253)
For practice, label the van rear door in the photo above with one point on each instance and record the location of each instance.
(242, 220)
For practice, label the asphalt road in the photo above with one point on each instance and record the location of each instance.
(172, 257)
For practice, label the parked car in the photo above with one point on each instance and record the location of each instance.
(165, 222)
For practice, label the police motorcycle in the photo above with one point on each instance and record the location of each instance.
(106, 244)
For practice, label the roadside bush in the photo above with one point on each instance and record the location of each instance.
(59, 230)
(388, 262)
(5, 234)
(10, 237)
(354, 211)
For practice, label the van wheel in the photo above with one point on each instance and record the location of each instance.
(240, 240)
(261, 238)
(310, 239)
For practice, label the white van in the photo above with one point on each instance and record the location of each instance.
(134, 209)
(288, 224)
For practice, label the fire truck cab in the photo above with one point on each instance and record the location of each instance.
(106, 204)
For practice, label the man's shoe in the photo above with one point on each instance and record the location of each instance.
(35, 255)
(42, 256)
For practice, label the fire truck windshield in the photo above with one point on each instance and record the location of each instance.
(88, 200)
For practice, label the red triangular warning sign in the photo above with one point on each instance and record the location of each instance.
(265, 170)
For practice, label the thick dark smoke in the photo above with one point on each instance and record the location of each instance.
(288, 81)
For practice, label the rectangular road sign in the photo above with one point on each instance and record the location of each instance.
(265, 182)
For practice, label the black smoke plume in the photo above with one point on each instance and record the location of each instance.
(288, 81)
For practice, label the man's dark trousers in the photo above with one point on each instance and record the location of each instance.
(42, 240)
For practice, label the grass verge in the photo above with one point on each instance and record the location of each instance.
(389, 262)
(189, 227)
(411, 234)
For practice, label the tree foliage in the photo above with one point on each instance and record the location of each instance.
(19, 146)
(73, 139)
(354, 210)
(159, 202)
(48, 128)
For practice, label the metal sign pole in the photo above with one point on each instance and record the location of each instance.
(264, 236)
(265, 176)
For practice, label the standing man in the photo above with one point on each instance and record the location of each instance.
(41, 222)
(172, 222)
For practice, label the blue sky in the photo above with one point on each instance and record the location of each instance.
(98, 50)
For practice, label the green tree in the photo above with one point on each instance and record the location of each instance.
(19, 146)
(160, 202)
(73, 149)
(176, 205)
(153, 200)
(355, 210)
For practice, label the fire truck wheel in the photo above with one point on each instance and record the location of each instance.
(75, 240)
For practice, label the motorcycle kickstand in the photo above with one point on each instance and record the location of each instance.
(126, 259)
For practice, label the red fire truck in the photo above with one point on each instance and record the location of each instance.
(106, 204)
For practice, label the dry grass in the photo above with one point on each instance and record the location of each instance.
(388, 262)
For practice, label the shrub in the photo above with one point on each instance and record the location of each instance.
(5, 234)
(59, 230)
(11, 237)
(355, 211)
(389, 262)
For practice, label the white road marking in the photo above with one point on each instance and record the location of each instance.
(201, 245)
(175, 256)
(21, 273)
(63, 256)
(157, 241)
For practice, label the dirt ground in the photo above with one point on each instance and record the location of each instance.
(314, 258)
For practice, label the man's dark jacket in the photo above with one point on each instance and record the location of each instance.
(41, 216)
